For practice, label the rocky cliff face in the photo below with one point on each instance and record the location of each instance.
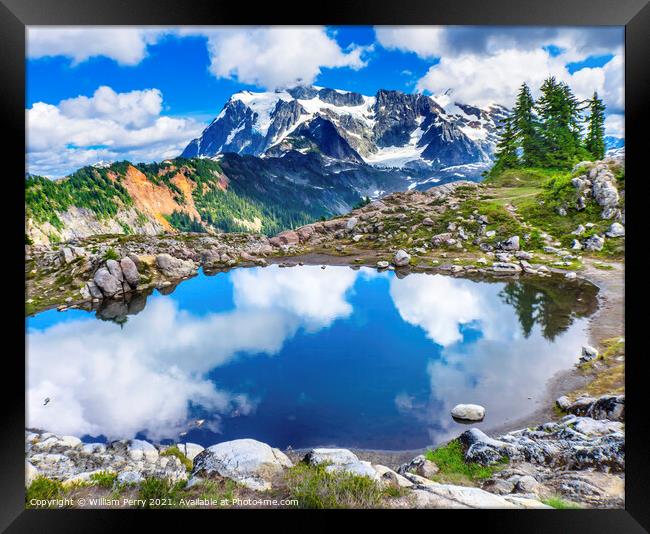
(390, 129)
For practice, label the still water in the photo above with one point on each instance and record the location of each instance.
(304, 357)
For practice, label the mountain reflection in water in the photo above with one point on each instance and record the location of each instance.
(304, 357)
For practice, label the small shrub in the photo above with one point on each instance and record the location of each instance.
(314, 487)
(111, 254)
(451, 462)
(43, 488)
(218, 491)
(159, 493)
(104, 479)
(560, 504)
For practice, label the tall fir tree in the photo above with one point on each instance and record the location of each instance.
(595, 138)
(559, 112)
(506, 149)
(527, 128)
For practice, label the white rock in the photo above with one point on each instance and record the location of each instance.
(331, 456)
(31, 473)
(351, 223)
(512, 243)
(93, 448)
(447, 496)
(130, 478)
(468, 412)
(563, 402)
(591, 427)
(390, 477)
(503, 267)
(588, 353)
(246, 461)
(382, 264)
(595, 242)
(142, 450)
(571, 275)
(615, 230)
(401, 258)
(358, 468)
(69, 441)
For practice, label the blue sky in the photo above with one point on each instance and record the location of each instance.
(143, 93)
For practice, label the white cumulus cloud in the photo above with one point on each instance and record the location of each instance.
(105, 126)
(485, 65)
(273, 57)
(126, 45)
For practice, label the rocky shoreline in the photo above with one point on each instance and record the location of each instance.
(579, 459)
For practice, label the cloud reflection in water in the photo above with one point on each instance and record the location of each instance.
(144, 378)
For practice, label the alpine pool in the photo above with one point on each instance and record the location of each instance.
(304, 357)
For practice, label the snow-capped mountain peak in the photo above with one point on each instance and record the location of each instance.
(389, 129)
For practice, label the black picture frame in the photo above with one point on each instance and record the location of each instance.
(15, 15)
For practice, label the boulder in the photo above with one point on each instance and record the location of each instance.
(427, 221)
(249, 462)
(351, 223)
(401, 258)
(382, 264)
(563, 402)
(468, 412)
(435, 495)
(588, 353)
(305, 233)
(359, 468)
(130, 272)
(615, 230)
(594, 243)
(527, 484)
(93, 290)
(142, 450)
(107, 283)
(288, 237)
(31, 473)
(115, 269)
(420, 466)
(175, 267)
(499, 486)
(611, 407)
(512, 243)
(391, 478)
(66, 255)
(604, 190)
(330, 456)
(506, 268)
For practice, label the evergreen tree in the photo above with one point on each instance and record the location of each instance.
(527, 128)
(506, 150)
(595, 139)
(559, 111)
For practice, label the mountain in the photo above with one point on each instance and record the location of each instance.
(271, 161)
(390, 129)
(199, 195)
